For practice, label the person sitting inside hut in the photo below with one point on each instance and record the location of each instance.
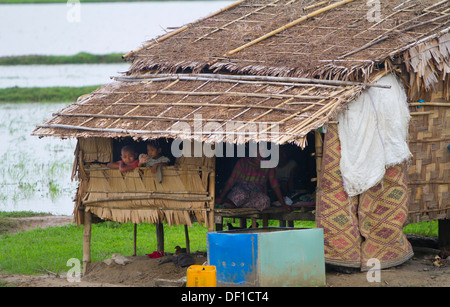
(247, 186)
(128, 160)
(285, 172)
(153, 158)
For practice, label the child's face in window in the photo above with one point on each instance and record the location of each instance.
(153, 152)
(128, 157)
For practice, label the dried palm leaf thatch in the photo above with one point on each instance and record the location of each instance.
(343, 40)
(428, 63)
(207, 107)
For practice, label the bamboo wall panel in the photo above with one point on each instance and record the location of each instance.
(429, 179)
(96, 149)
(138, 196)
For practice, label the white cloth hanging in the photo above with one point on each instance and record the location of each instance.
(373, 134)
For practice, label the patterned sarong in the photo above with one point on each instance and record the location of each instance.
(249, 195)
(365, 226)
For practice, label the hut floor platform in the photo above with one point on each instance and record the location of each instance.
(286, 218)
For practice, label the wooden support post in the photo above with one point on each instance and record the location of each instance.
(218, 221)
(160, 237)
(282, 223)
(87, 240)
(254, 223)
(212, 193)
(134, 239)
(444, 234)
(186, 234)
(242, 222)
(265, 220)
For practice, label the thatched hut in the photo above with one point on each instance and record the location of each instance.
(290, 64)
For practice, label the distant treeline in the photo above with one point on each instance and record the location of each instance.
(44, 94)
(80, 58)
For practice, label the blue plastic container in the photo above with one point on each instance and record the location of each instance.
(268, 257)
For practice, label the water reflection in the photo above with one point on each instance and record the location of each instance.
(34, 173)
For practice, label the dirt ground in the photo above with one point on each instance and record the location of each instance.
(144, 271)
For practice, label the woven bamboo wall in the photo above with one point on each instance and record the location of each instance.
(138, 197)
(181, 198)
(429, 137)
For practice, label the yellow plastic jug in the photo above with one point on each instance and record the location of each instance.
(201, 276)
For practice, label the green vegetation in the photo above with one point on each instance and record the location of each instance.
(47, 94)
(80, 58)
(35, 251)
(4, 214)
(429, 229)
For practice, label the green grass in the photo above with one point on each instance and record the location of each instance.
(44, 94)
(80, 58)
(429, 229)
(4, 214)
(34, 251)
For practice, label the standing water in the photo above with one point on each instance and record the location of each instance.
(101, 28)
(59, 75)
(34, 173)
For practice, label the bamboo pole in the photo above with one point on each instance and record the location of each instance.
(211, 105)
(433, 36)
(131, 131)
(146, 192)
(158, 118)
(429, 104)
(134, 239)
(330, 108)
(304, 110)
(289, 25)
(222, 77)
(160, 197)
(212, 194)
(434, 5)
(238, 19)
(231, 80)
(87, 240)
(386, 35)
(233, 94)
(160, 237)
(127, 207)
(186, 235)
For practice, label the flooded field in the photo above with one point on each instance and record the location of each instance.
(59, 75)
(34, 173)
(47, 29)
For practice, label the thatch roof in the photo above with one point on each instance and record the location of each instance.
(258, 62)
(342, 42)
(158, 107)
